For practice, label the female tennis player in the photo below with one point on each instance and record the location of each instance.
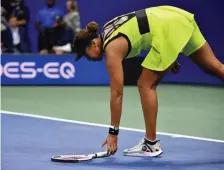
(166, 32)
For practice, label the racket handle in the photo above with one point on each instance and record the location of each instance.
(101, 154)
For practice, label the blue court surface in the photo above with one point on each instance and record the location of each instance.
(28, 144)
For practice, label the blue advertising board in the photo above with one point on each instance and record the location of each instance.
(63, 70)
(51, 70)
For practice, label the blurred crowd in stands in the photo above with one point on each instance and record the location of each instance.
(56, 28)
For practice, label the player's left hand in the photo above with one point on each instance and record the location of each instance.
(111, 142)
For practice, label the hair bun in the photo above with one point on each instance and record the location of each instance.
(92, 27)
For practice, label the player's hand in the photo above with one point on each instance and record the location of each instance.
(176, 67)
(111, 143)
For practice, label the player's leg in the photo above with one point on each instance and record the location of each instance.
(206, 59)
(201, 53)
(147, 85)
(155, 68)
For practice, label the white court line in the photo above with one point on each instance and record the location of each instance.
(102, 125)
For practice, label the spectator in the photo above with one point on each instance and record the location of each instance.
(45, 24)
(18, 9)
(21, 12)
(18, 36)
(63, 40)
(6, 40)
(72, 19)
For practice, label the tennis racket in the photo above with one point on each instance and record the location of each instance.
(78, 158)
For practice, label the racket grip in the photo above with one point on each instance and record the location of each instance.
(101, 154)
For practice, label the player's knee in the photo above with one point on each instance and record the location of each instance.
(140, 84)
(145, 85)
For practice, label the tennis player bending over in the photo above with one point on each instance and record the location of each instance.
(166, 31)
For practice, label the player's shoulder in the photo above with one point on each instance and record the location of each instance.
(118, 46)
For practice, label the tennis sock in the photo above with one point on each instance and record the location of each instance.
(151, 142)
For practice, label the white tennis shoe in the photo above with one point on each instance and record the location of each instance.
(145, 148)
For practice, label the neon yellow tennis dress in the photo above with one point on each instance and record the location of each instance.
(171, 31)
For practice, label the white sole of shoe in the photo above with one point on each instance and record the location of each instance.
(145, 154)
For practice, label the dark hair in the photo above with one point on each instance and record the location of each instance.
(84, 38)
(91, 28)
